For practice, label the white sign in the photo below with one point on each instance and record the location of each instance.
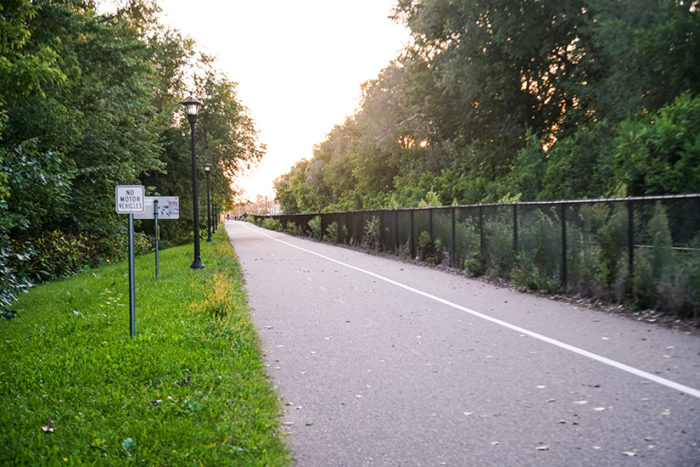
(129, 199)
(168, 208)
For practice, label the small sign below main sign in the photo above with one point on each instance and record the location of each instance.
(129, 199)
(168, 208)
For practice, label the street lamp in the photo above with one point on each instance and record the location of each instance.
(191, 108)
(207, 169)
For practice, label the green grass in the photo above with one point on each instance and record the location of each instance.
(189, 389)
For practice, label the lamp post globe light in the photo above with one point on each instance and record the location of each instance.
(191, 108)
(207, 169)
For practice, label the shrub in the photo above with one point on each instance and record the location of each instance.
(332, 233)
(584, 249)
(612, 257)
(528, 275)
(293, 229)
(272, 224)
(539, 256)
(371, 233)
(474, 266)
(143, 243)
(429, 250)
(53, 255)
(500, 257)
(316, 228)
(11, 283)
(438, 250)
(469, 245)
(665, 279)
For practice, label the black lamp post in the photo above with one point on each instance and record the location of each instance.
(207, 169)
(191, 108)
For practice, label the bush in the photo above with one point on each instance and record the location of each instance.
(665, 279)
(500, 257)
(332, 233)
(539, 257)
(469, 245)
(294, 229)
(371, 233)
(526, 274)
(54, 255)
(272, 224)
(584, 250)
(11, 283)
(612, 243)
(316, 229)
(428, 250)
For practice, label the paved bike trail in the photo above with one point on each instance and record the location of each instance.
(382, 362)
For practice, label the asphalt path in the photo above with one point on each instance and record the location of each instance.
(383, 362)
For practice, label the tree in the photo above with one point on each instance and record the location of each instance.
(660, 153)
(89, 101)
(486, 71)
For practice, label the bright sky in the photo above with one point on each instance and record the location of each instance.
(299, 65)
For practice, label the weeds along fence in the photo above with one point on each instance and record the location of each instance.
(644, 251)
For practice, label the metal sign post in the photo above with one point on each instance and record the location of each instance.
(130, 199)
(132, 286)
(164, 207)
(155, 216)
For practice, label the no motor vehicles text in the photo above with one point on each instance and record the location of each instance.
(130, 200)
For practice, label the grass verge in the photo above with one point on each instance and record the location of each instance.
(189, 389)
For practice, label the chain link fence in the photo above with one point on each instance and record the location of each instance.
(644, 251)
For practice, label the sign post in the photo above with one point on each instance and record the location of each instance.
(130, 199)
(155, 216)
(164, 207)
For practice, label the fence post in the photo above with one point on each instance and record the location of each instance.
(430, 217)
(396, 232)
(515, 230)
(453, 246)
(413, 240)
(382, 231)
(563, 245)
(341, 222)
(630, 239)
(482, 243)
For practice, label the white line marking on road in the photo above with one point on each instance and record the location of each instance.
(562, 345)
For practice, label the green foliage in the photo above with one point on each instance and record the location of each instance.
(316, 229)
(660, 153)
(431, 199)
(539, 251)
(34, 178)
(498, 233)
(294, 229)
(425, 245)
(272, 224)
(493, 100)
(429, 250)
(665, 279)
(190, 387)
(332, 233)
(371, 233)
(584, 251)
(612, 257)
(12, 283)
(54, 255)
(67, 138)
